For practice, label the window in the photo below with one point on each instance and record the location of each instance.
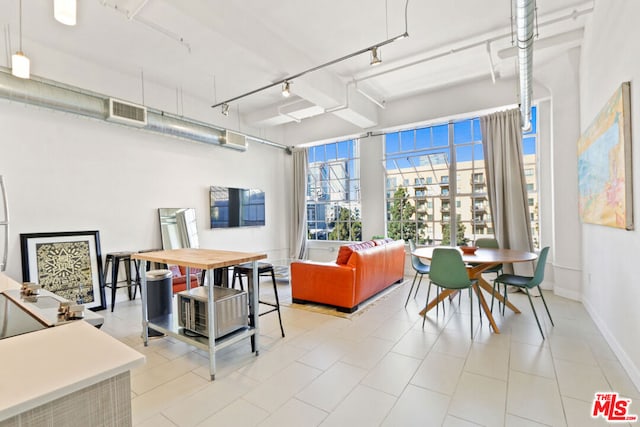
(333, 192)
(450, 150)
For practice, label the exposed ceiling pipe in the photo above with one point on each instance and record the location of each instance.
(525, 11)
(58, 96)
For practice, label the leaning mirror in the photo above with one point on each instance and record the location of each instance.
(178, 228)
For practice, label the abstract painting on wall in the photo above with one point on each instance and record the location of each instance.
(604, 165)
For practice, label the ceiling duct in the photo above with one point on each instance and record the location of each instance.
(60, 97)
(525, 10)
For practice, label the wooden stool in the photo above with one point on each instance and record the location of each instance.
(264, 269)
(114, 259)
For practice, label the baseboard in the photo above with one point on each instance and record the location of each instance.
(632, 370)
(567, 293)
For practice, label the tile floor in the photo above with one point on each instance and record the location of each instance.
(381, 368)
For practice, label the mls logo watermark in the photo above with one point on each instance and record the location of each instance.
(612, 408)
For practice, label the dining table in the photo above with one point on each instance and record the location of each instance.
(477, 263)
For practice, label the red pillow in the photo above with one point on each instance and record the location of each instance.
(345, 251)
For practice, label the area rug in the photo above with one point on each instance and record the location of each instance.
(284, 293)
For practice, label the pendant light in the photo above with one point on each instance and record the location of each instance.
(20, 64)
(65, 11)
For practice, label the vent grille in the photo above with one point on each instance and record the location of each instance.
(126, 112)
(234, 140)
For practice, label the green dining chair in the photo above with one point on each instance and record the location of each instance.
(491, 243)
(526, 283)
(420, 269)
(448, 271)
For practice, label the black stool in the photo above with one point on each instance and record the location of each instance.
(114, 259)
(264, 269)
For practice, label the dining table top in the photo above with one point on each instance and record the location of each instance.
(483, 255)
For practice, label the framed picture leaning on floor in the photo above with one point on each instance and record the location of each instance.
(68, 264)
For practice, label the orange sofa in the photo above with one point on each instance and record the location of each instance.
(179, 278)
(360, 271)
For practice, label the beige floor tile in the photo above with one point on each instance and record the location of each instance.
(415, 343)
(619, 380)
(274, 392)
(452, 421)
(269, 363)
(326, 354)
(418, 407)
(532, 359)
(439, 372)
(162, 373)
(238, 414)
(488, 360)
(212, 398)
(535, 398)
(151, 403)
(479, 399)
(367, 353)
(156, 421)
(295, 413)
(363, 407)
(513, 421)
(572, 349)
(580, 381)
(579, 414)
(455, 344)
(392, 374)
(328, 390)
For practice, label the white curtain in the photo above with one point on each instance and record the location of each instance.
(298, 242)
(506, 186)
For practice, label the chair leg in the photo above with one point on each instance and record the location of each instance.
(471, 307)
(411, 289)
(545, 305)
(426, 304)
(418, 287)
(114, 283)
(534, 312)
(493, 295)
(275, 291)
(504, 303)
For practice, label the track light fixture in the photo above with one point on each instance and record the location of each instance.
(65, 11)
(20, 64)
(375, 59)
(224, 109)
(286, 89)
(286, 81)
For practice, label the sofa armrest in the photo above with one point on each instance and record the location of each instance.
(326, 283)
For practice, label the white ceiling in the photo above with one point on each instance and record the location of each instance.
(252, 43)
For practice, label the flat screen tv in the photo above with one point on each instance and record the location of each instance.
(236, 207)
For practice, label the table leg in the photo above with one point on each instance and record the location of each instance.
(486, 309)
(145, 315)
(487, 287)
(212, 321)
(443, 294)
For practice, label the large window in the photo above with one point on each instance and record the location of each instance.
(333, 193)
(445, 164)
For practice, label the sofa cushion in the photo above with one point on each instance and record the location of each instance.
(346, 250)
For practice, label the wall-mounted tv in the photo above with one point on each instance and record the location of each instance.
(236, 207)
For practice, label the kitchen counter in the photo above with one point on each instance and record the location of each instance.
(51, 369)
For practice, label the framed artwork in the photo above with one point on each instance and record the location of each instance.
(68, 264)
(604, 165)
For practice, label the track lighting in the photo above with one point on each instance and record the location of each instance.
(20, 64)
(375, 59)
(65, 11)
(286, 89)
(224, 109)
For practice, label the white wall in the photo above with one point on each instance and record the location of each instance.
(68, 173)
(558, 160)
(611, 292)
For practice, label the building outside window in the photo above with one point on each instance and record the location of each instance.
(428, 157)
(333, 192)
